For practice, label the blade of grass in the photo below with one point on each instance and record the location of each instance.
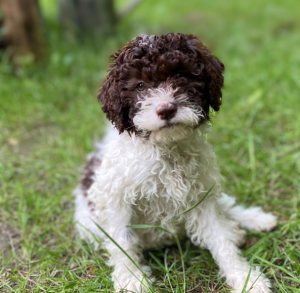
(112, 240)
(246, 283)
(161, 265)
(202, 199)
(144, 278)
(181, 256)
(167, 269)
(278, 267)
(5, 284)
(144, 226)
(129, 257)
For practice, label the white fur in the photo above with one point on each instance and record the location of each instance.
(153, 181)
(185, 119)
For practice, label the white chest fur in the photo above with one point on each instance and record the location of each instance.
(158, 181)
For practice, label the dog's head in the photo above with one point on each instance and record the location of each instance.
(162, 86)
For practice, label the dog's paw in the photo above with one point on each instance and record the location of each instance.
(264, 221)
(255, 219)
(132, 286)
(257, 283)
(134, 281)
(259, 287)
(268, 222)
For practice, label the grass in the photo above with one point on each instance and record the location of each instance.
(49, 119)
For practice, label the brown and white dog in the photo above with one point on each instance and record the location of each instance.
(155, 163)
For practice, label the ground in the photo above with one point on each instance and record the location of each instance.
(49, 118)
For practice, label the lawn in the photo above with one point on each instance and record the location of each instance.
(49, 119)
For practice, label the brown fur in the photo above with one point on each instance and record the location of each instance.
(88, 174)
(181, 59)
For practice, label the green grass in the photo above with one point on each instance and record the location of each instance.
(49, 118)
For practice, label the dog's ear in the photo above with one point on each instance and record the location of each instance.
(117, 106)
(214, 80)
(210, 70)
(109, 96)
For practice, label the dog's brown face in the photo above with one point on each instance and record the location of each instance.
(161, 82)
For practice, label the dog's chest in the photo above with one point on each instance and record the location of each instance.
(165, 183)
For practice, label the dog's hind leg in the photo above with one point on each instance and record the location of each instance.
(209, 227)
(84, 212)
(249, 218)
(85, 219)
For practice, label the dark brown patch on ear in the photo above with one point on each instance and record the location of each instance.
(115, 104)
(215, 81)
(211, 72)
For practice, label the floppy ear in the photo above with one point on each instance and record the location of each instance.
(112, 106)
(211, 69)
(214, 80)
(117, 104)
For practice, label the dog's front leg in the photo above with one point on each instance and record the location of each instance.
(128, 273)
(208, 227)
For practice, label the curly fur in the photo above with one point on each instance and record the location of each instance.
(153, 59)
(162, 165)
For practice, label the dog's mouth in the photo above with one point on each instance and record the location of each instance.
(169, 125)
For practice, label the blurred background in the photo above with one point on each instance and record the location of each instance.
(54, 56)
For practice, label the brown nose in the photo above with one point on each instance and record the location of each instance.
(166, 111)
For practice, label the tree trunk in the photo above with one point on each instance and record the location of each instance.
(21, 22)
(88, 16)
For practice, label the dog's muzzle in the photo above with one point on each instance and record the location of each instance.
(166, 111)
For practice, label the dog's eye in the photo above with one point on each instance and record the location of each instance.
(178, 75)
(141, 86)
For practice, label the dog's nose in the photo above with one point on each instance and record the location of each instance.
(166, 111)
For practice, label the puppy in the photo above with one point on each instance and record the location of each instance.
(155, 164)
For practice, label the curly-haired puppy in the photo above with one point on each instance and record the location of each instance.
(155, 164)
